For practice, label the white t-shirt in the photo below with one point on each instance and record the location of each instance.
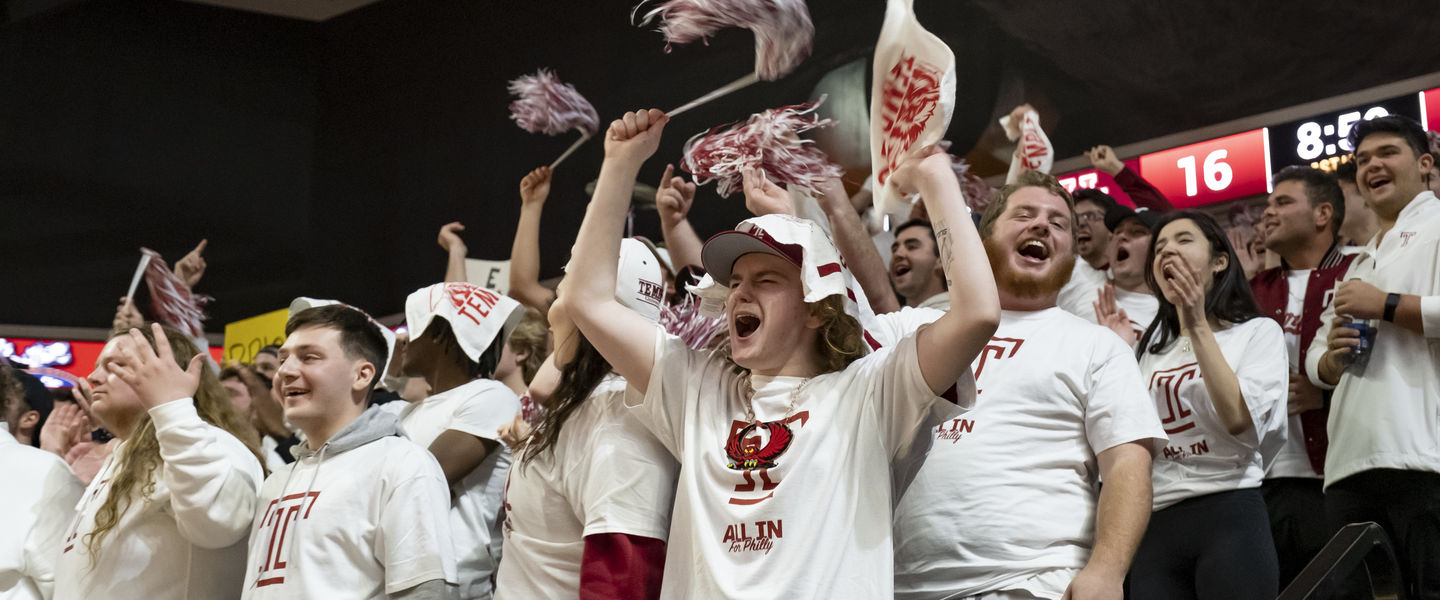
(1389, 416)
(1140, 307)
(476, 408)
(1293, 461)
(38, 503)
(363, 523)
(1009, 490)
(1202, 457)
(605, 474)
(798, 506)
(187, 538)
(1079, 291)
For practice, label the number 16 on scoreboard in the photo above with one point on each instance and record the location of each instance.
(1217, 170)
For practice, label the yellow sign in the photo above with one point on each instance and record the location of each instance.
(244, 338)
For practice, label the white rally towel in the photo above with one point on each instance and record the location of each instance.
(912, 97)
(1035, 153)
(477, 316)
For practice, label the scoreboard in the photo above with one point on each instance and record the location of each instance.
(1240, 165)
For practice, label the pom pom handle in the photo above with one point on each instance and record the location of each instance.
(721, 91)
(571, 150)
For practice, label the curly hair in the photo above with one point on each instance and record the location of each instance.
(840, 340)
(135, 469)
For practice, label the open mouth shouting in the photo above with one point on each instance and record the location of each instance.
(1033, 252)
(746, 324)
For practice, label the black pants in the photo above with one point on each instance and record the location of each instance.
(1208, 547)
(1407, 505)
(1297, 522)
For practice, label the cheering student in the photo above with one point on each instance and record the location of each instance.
(1125, 305)
(785, 442)
(915, 269)
(458, 334)
(167, 515)
(1383, 462)
(1006, 501)
(1217, 375)
(1302, 220)
(588, 501)
(362, 512)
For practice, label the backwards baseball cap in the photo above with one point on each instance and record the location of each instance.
(303, 303)
(1118, 213)
(477, 316)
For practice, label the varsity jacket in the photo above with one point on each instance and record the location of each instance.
(1272, 292)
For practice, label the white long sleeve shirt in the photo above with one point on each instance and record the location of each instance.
(1389, 416)
(38, 502)
(186, 539)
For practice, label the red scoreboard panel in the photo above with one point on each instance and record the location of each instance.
(1221, 169)
(1100, 180)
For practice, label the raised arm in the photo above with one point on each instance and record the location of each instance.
(673, 199)
(1183, 288)
(856, 248)
(1144, 195)
(525, 250)
(456, 249)
(624, 338)
(948, 345)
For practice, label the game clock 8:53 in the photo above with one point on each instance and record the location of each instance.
(1312, 140)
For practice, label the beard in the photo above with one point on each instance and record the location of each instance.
(1023, 285)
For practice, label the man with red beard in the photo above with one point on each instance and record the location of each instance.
(1006, 504)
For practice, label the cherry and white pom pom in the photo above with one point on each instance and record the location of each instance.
(545, 105)
(685, 322)
(782, 28)
(977, 193)
(769, 141)
(171, 301)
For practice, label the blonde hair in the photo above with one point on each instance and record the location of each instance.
(136, 467)
(532, 337)
(840, 340)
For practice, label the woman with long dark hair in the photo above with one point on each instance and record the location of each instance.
(588, 500)
(1218, 376)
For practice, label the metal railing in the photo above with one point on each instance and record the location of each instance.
(1356, 544)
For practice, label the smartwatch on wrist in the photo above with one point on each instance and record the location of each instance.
(1392, 301)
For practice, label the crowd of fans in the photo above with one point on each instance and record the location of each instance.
(784, 411)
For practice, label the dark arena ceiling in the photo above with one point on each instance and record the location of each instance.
(320, 150)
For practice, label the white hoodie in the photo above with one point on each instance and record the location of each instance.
(186, 539)
(39, 502)
(364, 517)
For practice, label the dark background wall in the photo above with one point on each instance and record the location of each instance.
(151, 123)
(321, 158)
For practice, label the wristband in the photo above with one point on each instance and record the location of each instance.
(1392, 301)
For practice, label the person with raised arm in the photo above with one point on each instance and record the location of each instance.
(673, 199)
(1005, 504)
(588, 500)
(786, 441)
(168, 513)
(525, 250)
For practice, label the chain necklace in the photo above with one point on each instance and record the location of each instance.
(749, 398)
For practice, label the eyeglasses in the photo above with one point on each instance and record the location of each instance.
(1090, 216)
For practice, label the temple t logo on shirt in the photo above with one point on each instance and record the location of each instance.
(1175, 418)
(756, 446)
(998, 348)
(1405, 238)
(280, 520)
